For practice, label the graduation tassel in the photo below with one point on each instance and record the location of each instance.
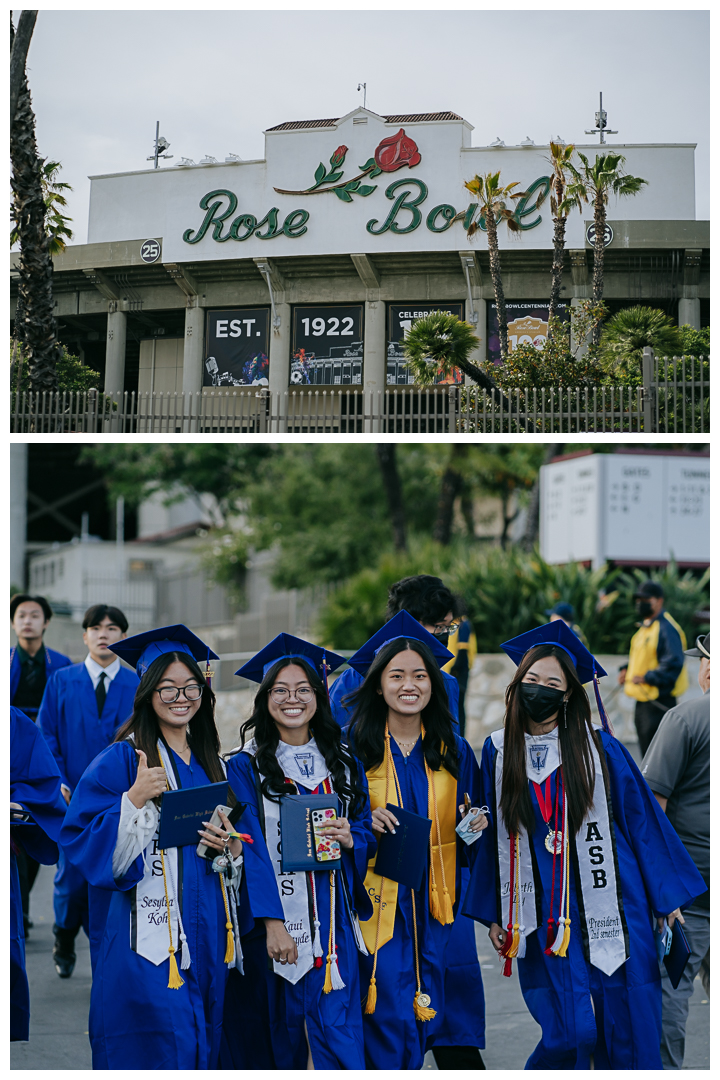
(421, 1001)
(562, 940)
(604, 718)
(230, 946)
(422, 1012)
(371, 997)
(174, 980)
(371, 1001)
(317, 943)
(333, 979)
(183, 946)
(508, 943)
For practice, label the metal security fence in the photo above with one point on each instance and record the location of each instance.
(674, 397)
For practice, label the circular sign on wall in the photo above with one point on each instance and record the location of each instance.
(607, 238)
(150, 251)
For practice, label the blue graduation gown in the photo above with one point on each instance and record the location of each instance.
(53, 661)
(394, 1039)
(264, 1013)
(75, 734)
(136, 1022)
(584, 1013)
(35, 785)
(463, 1023)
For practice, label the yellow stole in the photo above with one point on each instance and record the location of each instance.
(442, 811)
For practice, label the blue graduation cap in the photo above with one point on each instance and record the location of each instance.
(402, 625)
(141, 649)
(559, 634)
(287, 647)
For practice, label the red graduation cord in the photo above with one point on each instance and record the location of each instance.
(551, 932)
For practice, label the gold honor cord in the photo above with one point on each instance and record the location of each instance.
(443, 913)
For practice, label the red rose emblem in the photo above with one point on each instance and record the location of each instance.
(339, 156)
(396, 151)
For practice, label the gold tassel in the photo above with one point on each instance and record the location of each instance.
(513, 950)
(327, 985)
(230, 947)
(175, 981)
(421, 1011)
(371, 997)
(435, 907)
(562, 951)
(449, 917)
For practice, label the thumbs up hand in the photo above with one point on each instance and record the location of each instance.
(149, 783)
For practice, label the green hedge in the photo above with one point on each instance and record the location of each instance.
(507, 592)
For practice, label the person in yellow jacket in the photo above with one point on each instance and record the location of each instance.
(462, 643)
(655, 675)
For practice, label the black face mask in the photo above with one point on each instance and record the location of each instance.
(643, 608)
(540, 701)
(442, 638)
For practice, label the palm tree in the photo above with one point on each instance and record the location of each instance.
(593, 184)
(387, 460)
(560, 207)
(627, 333)
(57, 225)
(38, 329)
(492, 199)
(438, 343)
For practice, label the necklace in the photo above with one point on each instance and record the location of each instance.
(553, 840)
(410, 744)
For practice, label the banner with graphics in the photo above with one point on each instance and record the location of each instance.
(527, 324)
(327, 345)
(400, 318)
(236, 347)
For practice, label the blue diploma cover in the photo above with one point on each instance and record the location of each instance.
(182, 813)
(403, 855)
(296, 833)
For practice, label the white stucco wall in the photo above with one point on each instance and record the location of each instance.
(164, 203)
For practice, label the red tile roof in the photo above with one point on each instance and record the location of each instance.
(399, 118)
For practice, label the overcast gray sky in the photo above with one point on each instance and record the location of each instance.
(216, 79)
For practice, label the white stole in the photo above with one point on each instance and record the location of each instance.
(149, 935)
(305, 765)
(599, 898)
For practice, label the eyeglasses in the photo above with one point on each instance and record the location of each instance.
(169, 694)
(281, 695)
(442, 628)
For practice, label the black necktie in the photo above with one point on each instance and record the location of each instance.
(100, 692)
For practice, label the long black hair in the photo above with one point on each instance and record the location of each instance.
(575, 747)
(202, 733)
(323, 728)
(367, 727)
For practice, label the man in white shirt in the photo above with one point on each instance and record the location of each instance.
(82, 708)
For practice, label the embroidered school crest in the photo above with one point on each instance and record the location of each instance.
(306, 764)
(538, 757)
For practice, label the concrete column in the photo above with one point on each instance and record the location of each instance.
(193, 347)
(374, 356)
(115, 349)
(689, 312)
(18, 512)
(479, 355)
(279, 377)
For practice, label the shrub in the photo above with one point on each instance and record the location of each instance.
(507, 592)
(72, 375)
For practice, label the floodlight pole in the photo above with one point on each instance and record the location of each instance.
(601, 127)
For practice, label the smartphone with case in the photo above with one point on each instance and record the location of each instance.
(233, 815)
(325, 850)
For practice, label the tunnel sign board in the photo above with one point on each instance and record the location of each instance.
(327, 345)
(636, 508)
(236, 347)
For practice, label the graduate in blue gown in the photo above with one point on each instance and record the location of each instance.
(32, 663)
(578, 859)
(35, 788)
(158, 989)
(461, 1035)
(82, 708)
(303, 1010)
(403, 732)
